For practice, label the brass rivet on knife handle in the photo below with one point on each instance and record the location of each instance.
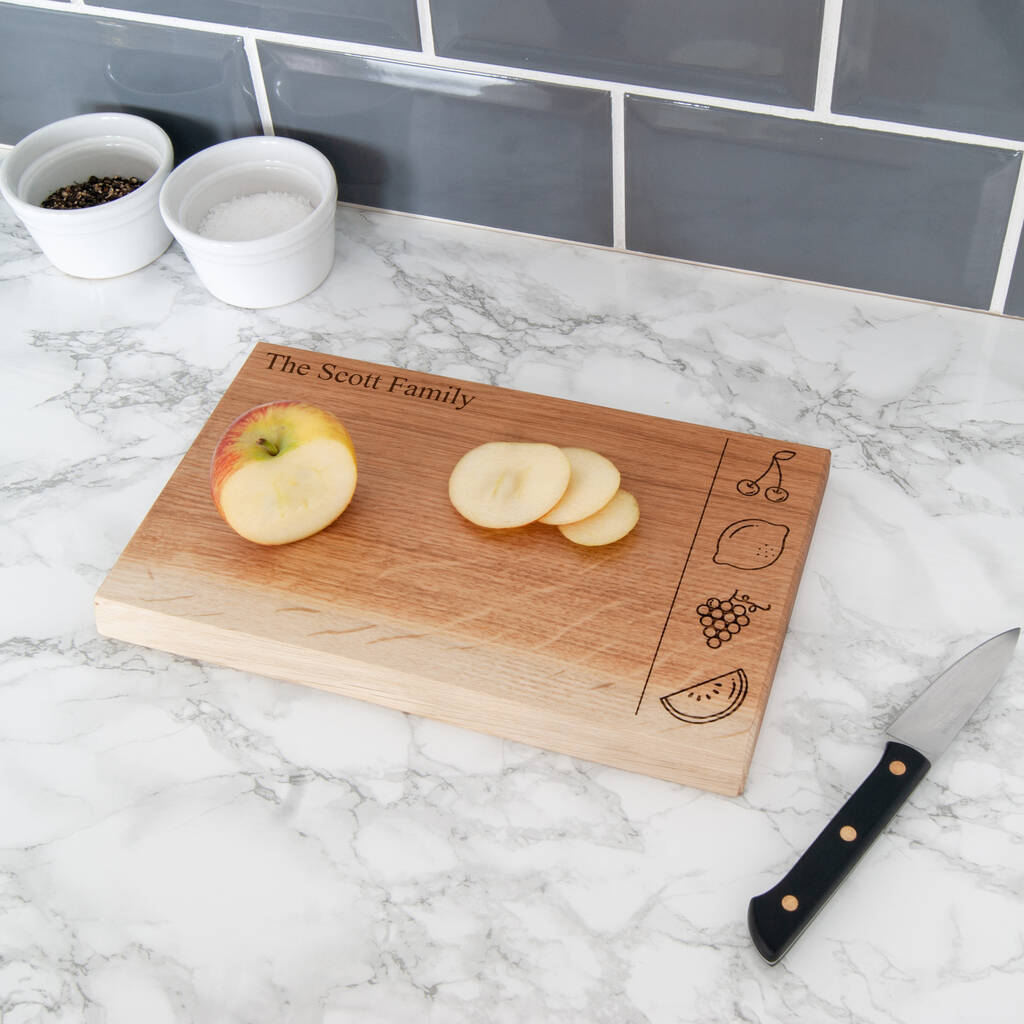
(790, 902)
(848, 833)
(897, 768)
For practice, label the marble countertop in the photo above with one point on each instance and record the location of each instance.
(180, 842)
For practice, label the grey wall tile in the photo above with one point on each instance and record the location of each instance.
(947, 63)
(763, 50)
(480, 148)
(196, 86)
(883, 212)
(380, 22)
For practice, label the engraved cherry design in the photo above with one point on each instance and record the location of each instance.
(775, 491)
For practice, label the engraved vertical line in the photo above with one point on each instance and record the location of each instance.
(679, 582)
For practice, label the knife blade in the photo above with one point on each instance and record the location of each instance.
(917, 737)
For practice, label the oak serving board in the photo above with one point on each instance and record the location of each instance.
(600, 653)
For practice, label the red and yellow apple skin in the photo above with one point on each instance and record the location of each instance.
(282, 472)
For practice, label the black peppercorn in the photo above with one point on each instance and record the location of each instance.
(93, 192)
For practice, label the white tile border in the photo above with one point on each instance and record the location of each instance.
(828, 54)
(618, 104)
(1011, 241)
(426, 27)
(821, 113)
(259, 83)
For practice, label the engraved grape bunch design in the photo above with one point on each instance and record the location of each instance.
(723, 618)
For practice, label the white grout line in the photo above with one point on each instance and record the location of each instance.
(827, 56)
(259, 84)
(618, 99)
(426, 27)
(431, 60)
(1011, 240)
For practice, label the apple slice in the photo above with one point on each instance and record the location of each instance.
(592, 485)
(606, 526)
(502, 484)
(283, 471)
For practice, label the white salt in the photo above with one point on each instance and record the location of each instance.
(245, 218)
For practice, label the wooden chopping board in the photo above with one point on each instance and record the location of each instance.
(600, 653)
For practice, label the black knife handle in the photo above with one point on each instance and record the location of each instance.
(778, 916)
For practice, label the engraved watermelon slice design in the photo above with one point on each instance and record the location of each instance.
(710, 700)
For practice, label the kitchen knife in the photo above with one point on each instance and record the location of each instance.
(916, 738)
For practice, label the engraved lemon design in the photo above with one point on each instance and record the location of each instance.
(751, 544)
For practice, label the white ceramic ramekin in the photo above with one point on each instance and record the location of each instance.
(100, 241)
(261, 272)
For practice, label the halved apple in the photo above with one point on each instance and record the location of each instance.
(607, 525)
(283, 471)
(503, 484)
(592, 485)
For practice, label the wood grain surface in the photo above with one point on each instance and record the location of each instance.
(598, 653)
